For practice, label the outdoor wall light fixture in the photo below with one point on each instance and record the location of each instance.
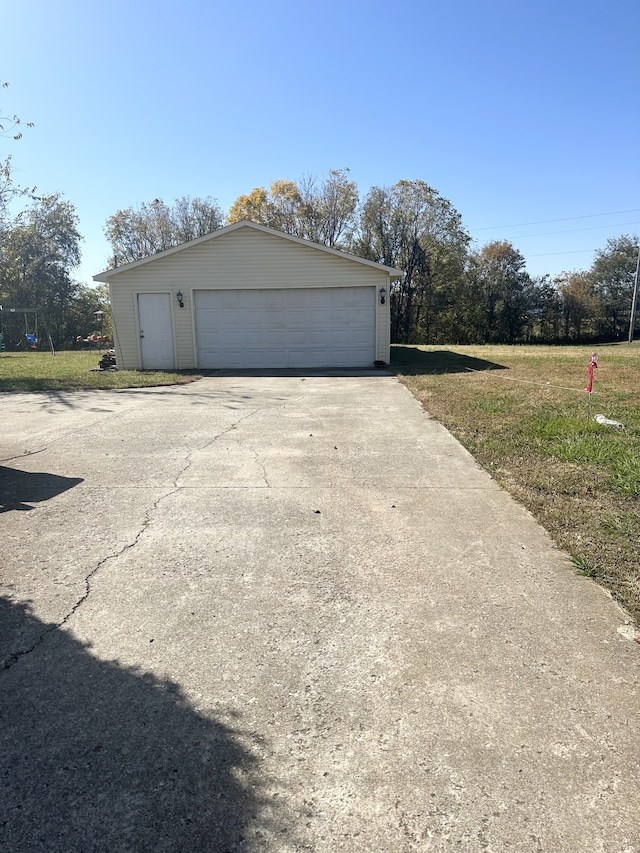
(179, 298)
(382, 293)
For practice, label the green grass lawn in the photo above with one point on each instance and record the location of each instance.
(42, 371)
(525, 416)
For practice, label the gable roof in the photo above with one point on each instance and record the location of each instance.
(107, 275)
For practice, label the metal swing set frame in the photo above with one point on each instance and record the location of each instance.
(32, 338)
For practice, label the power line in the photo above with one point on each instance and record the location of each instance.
(573, 252)
(546, 221)
(574, 230)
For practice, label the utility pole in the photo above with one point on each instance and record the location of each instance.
(634, 301)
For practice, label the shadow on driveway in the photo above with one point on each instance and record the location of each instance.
(98, 756)
(20, 488)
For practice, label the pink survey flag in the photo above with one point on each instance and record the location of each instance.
(592, 366)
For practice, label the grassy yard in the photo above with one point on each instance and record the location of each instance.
(41, 371)
(524, 415)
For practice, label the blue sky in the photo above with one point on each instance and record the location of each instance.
(516, 112)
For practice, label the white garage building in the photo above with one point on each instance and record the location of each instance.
(248, 296)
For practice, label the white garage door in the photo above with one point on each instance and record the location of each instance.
(314, 327)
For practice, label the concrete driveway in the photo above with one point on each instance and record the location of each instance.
(289, 613)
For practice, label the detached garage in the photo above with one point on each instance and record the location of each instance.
(248, 296)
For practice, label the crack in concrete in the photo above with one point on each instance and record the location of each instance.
(25, 454)
(13, 658)
(264, 469)
(85, 426)
(229, 428)
(16, 656)
(255, 452)
(208, 444)
(295, 399)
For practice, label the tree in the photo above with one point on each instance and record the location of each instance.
(255, 206)
(38, 252)
(281, 207)
(582, 308)
(412, 227)
(323, 212)
(329, 208)
(80, 315)
(506, 291)
(544, 311)
(9, 129)
(612, 274)
(136, 233)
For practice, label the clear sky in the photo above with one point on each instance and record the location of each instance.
(525, 115)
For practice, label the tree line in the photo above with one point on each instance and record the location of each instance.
(451, 290)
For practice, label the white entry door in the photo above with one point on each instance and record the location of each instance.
(156, 331)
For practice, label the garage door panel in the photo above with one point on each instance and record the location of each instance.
(273, 319)
(344, 339)
(227, 302)
(273, 299)
(315, 338)
(295, 317)
(272, 339)
(296, 339)
(300, 327)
